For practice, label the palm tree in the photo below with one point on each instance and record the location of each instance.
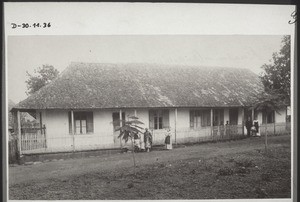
(128, 130)
(267, 103)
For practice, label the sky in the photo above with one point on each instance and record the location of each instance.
(26, 53)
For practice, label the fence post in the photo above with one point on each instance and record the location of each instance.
(274, 123)
(121, 124)
(17, 131)
(211, 121)
(225, 132)
(175, 125)
(45, 136)
(19, 135)
(73, 134)
(243, 120)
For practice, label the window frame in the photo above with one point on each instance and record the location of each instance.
(200, 114)
(270, 117)
(82, 116)
(159, 119)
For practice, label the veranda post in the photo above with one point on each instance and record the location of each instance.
(17, 131)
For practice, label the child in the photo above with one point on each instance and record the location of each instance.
(256, 125)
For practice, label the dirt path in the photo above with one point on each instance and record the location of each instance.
(71, 167)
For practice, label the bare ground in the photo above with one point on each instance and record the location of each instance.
(235, 169)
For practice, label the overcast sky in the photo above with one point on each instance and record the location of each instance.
(26, 53)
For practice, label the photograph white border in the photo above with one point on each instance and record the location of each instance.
(152, 19)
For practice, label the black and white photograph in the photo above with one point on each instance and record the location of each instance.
(175, 115)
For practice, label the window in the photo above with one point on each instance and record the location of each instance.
(199, 118)
(116, 119)
(83, 122)
(158, 119)
(270, 116)
(255, 114)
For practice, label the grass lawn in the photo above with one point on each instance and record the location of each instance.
(234, 169)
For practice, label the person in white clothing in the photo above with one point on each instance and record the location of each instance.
(142, 142)
(168, 139)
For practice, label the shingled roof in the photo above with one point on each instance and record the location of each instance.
(95, 86)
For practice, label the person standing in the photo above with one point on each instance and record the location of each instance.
(168, 140)
(148, 140)
(256, 125)
(248, 126)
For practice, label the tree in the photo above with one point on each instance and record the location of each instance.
(128, 130)
(43, 76)
(276, 77)
(267, 103)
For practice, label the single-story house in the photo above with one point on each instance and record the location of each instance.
(79, 110)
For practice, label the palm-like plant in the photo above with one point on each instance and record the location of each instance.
(128, 130)
(268, 102)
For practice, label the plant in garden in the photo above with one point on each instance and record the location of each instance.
(128, 130)
(268, 103)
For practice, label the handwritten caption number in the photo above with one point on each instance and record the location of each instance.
(294, 16)
(34, 25)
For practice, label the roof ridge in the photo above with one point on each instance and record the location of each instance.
(147, 64)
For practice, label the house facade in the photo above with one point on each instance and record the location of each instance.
(81, 109)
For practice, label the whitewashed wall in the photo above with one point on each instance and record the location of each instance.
(280, 116)
(58, 137)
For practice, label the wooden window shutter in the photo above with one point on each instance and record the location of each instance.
(151, 119)
(165, 115)
(90, 122)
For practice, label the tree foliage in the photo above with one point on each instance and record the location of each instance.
(266, 103)
(128, 130)
(42, 76)
(276, 77)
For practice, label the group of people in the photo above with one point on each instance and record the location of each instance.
(143, 141)
(252, 127)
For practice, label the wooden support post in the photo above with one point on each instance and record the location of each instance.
(18, 127)
(135, 113)
(121, 124)
(274, 123)
(243, 120)
(73, 132)
(252, 114)
(211, 121)
(175, 125)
